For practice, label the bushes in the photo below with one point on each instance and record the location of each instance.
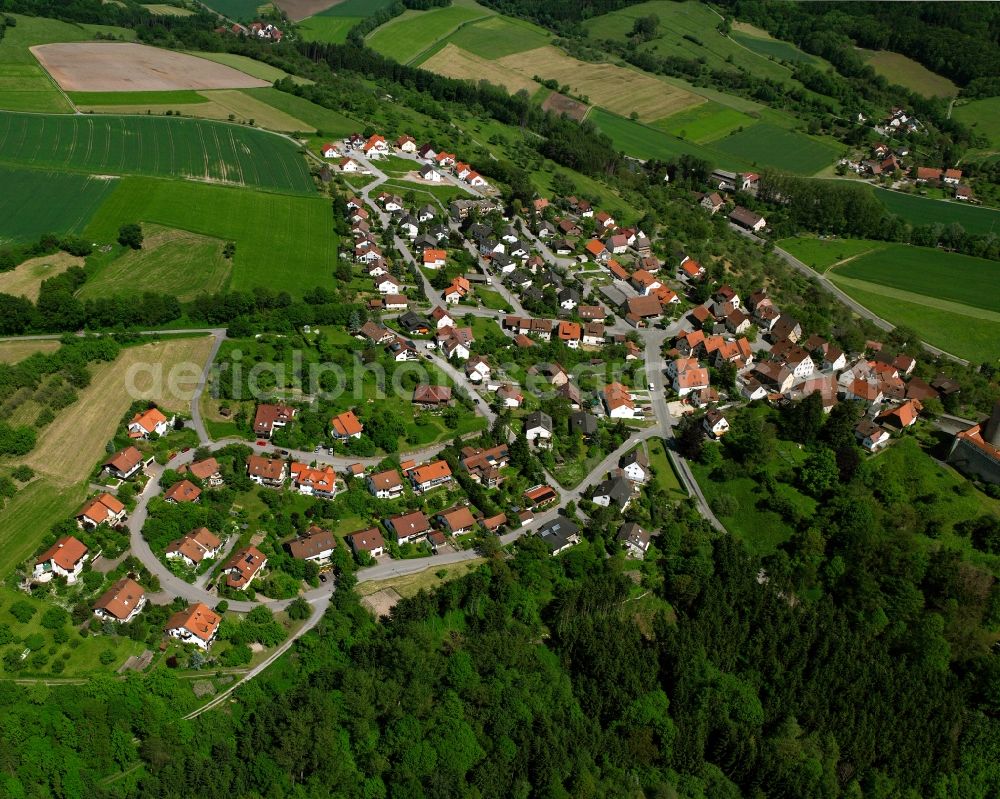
(22, 611)
(54, 618)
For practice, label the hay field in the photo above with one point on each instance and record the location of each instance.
(191, 264)
(125, 66)
(897, 68)
(14, 351)
(163, 9)
(453, 62)
(615, 88)
(406, 37)
(71, 445)
(26, 278)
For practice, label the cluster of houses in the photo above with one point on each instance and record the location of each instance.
(263, 31)
(897, 122)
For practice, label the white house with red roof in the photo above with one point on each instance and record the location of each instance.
(149, 422)
(65, 558)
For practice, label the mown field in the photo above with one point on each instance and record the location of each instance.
(765, 144)
(154, 146)
(454, 62)
(905, 72)
(34, 202)
(498, 36)
(765, 45)
(969, 337)
(189, 263)
(821, 254)
(249, 66)
(327, 29)
(25, 279)
(949, 276)
(282, 242)
(167, 98)
(331, 123)
(24, 85)
(983, 116)
(924, 211)
(14, 351)
(407, 36)
(704, 123)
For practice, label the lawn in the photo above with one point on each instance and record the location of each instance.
(158, 146)
(26, 278)
(931, 272)
(704, 123)
(821, 254)
(261, 224)
(24, 85)
(492, 300)
(983, 116)
(36, 202)
(975, 339)
(443, 193)
(330, 123)
(924, 211)
(666, 477)
(499, 36)
(395, 166)
(321, 28)
(765, 144)
(407, 36)
(905, 72)
(191, 264)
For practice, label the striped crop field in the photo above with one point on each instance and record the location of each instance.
(155, 146)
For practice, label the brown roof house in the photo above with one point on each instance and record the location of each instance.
(122, 602)
(369, 541)
(317, 545)
(243, 567)
(195, 547)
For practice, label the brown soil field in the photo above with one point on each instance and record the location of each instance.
(124, 67)
(300, 9)
(69, 447)
(454, 62)
(14, 351)
(561, 104)
(26, 278)
(615, 88)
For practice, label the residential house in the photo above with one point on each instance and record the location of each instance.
(184, 491)
(457, 521)
(687, 375)
(428, 396)
(786, 327)
(124, 463)
(642, 281)
(618, 401)
(194, 547)
(369, 541)
(616, 491)
(103, 509)
(267, 471)
(691, 269)
(597, 251)
(795, 358)
(197, 625)
(568, 298)
(434, 259)
(570, 334)
(316, 482)
(484, 465)
(65, 558)
(870, 436)
(712, 202)
(493, 524)
(593, 334)
(414, 324)
(559, 535)
(408, 527)
(538, 428)
(583, 423)
(604, 220)
(316, 545)
(329, 150)
(346, 425)
(429, 476)
(715, 423)
(635, 465)
(747, 219)
(477, 369)
(641, 308)
(591, 313)
(553, 373)
(429, 173)
(387, 284)
(122, 602)
(206, 470)
(375, 333)
(540, 496)
(243, 567)
(271, 417)
(406, 144)
(457, 344)
(774, 376)
(441, 318)
(903, 415)
(510, 396)
(149, 422)
(457, 291)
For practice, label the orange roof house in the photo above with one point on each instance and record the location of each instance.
(146, 423)
(243, 567)
(692, 269)
(904, 415)
(195, 546)
(196, 625)
(346, 425)
(66, 554)
(122, 601)
(184, 491)
(104, 509)
(596, 248)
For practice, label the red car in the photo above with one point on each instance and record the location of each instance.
(261, 443)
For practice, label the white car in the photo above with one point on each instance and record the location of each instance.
(431, 345)
(652, 387)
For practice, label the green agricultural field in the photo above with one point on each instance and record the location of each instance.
(331, 123)
(934, 273)
(643, 141)
(355, 8)
(36, 202)
(283, 242)
(191, 264)
(983, 116)
(24, 85)
(924, 211)
(686, 30)
(704, 123)
(409, 35)
(332, 30)
(158, 146)
(498, 36)
(768, 47)
(821, 254)
(176, 97)
(898, 69)
(249, 66)
(242, 10)
(765, 144)
(968, 336)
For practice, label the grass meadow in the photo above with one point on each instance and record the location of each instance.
(704, 123)
(189, 263)
(821, 254)
(154, 146)
(498, 36)
(34, 202)
(772, 48)
(766, 144)
(331, 123)
(905, 72)
(12, 351)
(407, 36)
(924, 211)
(983, 116)
(25, 279)
(249, 66)
(282, 242)
(332, 30)
(175, 97)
